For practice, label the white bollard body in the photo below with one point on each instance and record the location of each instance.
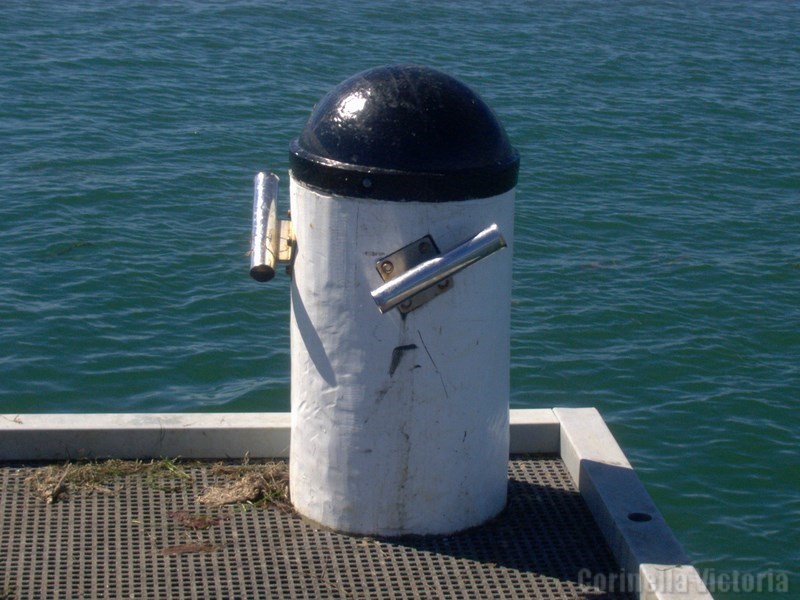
(399, 420)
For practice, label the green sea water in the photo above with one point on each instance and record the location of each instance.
(657, 244)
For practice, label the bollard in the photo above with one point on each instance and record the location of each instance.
(402, 202)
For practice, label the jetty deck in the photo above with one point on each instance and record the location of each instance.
(578, 523)
(142, 537)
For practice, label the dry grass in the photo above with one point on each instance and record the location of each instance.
(249, 484)
(53, 482)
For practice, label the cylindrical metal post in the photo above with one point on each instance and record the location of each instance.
(265, 236)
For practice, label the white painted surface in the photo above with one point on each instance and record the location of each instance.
(534, 431)
(671, 582)
(187, 435)
(389, 441)
(197, 435)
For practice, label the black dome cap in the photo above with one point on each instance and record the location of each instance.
(404, 133)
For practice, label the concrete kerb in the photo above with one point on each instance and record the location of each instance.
(138, 436)
(198, 435)
(637, 533)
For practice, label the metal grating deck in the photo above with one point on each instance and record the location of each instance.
(127, 542)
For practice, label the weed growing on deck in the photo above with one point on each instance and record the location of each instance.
(248, 484)
(51, 482)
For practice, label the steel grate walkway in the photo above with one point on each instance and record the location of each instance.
(134, 539)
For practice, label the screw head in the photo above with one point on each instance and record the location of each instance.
(387, 267)
(424, 247)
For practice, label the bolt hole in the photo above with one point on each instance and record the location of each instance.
(640, 517)
(366, 182)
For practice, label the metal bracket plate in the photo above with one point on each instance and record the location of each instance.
(405, 259)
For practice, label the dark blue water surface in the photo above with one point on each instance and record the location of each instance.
(657, 265)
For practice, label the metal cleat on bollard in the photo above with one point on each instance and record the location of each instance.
(272, 239)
